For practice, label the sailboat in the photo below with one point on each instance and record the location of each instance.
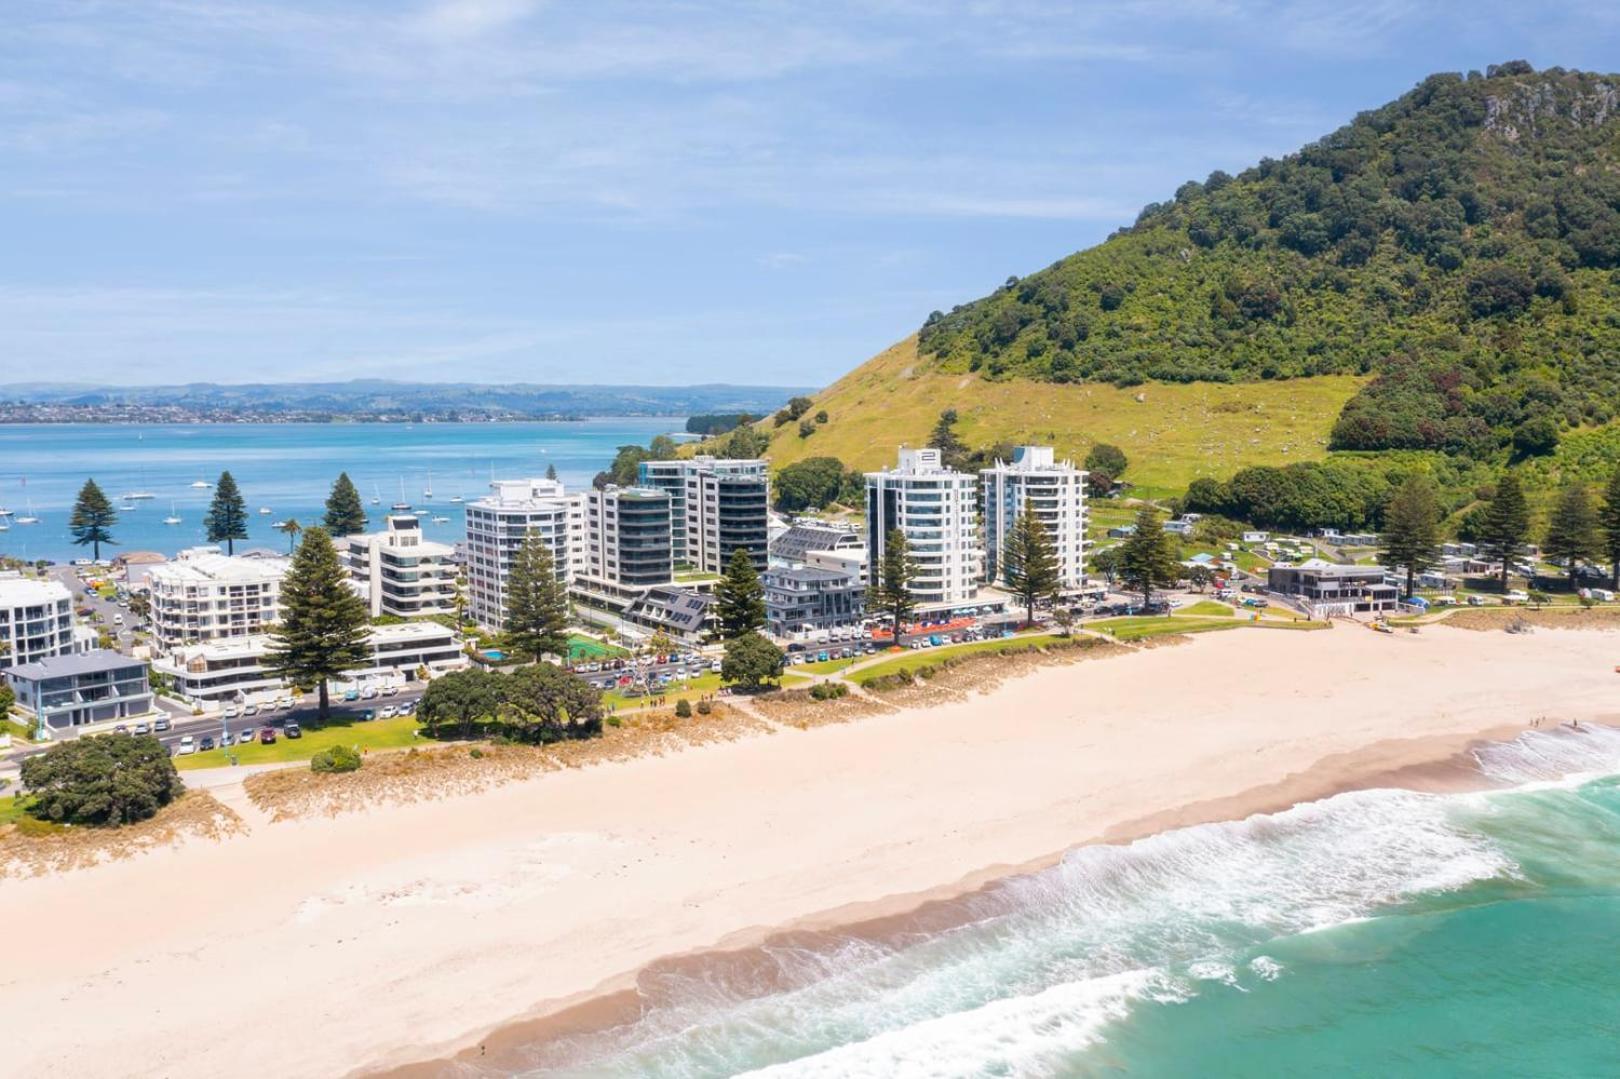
(376, 496)
(4, 513)
(140, 494)
(28, 518)
(265, 510)
(173, 518)
(458, 499)
(401, 506)
(427, 492)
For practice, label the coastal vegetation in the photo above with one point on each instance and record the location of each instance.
(324, 627)
(92, 520)
(536, 704)
(104, 780)
(536, 602)
(227, 519)
(345, 515)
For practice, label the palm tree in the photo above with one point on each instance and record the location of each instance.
(292, 528)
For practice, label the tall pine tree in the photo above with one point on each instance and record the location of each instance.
(536, 605)
(227, 514)
(1609, 521)
(739, 598)
(93, 518)
(345, 516)
(1506, 528)
(551, 472)
(1147, 560)
(1030, 562)
(325, 628)
(1411, 536)
(890, 590)
(1572, 530)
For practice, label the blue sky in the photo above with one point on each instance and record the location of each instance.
(665, 192)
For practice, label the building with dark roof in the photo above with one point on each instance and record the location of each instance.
(80, 693)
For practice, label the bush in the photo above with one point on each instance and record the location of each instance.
(614, 721)
(829, 691)
(108, 779)
(336, 759)
(475, 753)
(683, 709)
(704, 707)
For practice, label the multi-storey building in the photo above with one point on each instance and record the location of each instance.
(716, 505)
(496, 528)
(73, 694)
(807, 535)
(207, 596)
(399, 572)
(628, 536)
(36, 620)
(801, 599)
(1055, 491)
(936, 509)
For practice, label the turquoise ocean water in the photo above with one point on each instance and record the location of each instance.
(287, 468)
(1383, 933)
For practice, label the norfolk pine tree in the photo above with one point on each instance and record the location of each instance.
(93, 518)
(345, 516)
(227, 514)
(890, 590)
(739, 598)
(1507, 524)
(1609, 521)
(1411, 536)
(1572, 530)
(325, 628)
(1146, 560)
(536, 607)
(1030, 563)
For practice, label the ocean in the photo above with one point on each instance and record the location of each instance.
(286, 468)
(1378, 932)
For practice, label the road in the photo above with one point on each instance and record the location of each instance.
(106, 609)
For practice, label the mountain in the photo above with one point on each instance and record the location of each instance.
(1439, 275)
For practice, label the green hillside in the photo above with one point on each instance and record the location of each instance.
(1439, 276)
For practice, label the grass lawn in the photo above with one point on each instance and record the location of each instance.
(691, 689)
(372, 734)
(588, 648)
(914, 659)
(12, 808)
(1205, 607)
(1136, 628)
(825, 666)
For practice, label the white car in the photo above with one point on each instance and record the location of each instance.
(244, 737)
(231, 711)
(390, 689)
(250, 710)
(387, 712)
(283, 702)
(369, 693)
(188, 745)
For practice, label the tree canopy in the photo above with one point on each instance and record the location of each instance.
(1572, 536)
(1505, 529)
(739, 597)
(751, 661)
(1030, 564)
(108, 779)
(1411, 537)
(345, 515)
(536, 602)
(92, 519)
(325, 627)
(1147, 560)
(226, 520)
(890, 588)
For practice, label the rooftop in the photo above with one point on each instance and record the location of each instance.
(19, 591)
(205, 565)
(93, 662)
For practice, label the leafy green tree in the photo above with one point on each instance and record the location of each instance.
(462, 698)
(1030, 565)
(551, 471)
(1411, 536)
(336, 759)
(890, 590)
(952, 450)
(812, 483)
(739, 598)
(1108, 459)
(1147, 560)
(325, 627)
(226, 520)
(536, 604)
(751, 661)
(93, 519)
(8, 699)
(101, 780)
(745, 443)
(1106, 562)
(345, 516)
(1505, 528)
(544, 703)
(1609, 522)
(1200, 576)
(290, 528)
(1572, 530)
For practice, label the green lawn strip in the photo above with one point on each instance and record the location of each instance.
(827, 666)
(1209, 607)
(915, 659)
(1137, 628)
(691, 688)
(13, 807)
(582, 647)
(361, 734)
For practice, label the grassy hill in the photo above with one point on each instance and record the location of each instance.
(1436, 284)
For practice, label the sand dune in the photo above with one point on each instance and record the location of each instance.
(394, 934)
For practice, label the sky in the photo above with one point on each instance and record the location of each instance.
(664, 192)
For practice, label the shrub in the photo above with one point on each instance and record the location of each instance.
(106, 779)
(683, 708)
(475, 753)
(828, 691)
(614, 721)
(335, 759)
(704, 708)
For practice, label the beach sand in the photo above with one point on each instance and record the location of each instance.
(400, 934)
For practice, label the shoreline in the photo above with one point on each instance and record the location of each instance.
(452, 922)
(1440, 766)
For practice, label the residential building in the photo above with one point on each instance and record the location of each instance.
(206, 596)
(235, 669)
(1055, 491)
(715, 505)
(806, 534)
(36, 620)
(936, 509)
(497, 525)
(80, 693)
(802, 599)
(628, 536)
(1332, 588)
(399, 572)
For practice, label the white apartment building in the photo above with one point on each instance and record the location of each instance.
(1056, 492)
(234, 669)
(206, 596)
(496, 527)
(937, 510)
(399, 572)
(716, 505)
(36, 620)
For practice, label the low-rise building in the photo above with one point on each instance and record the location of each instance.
(36, 620)
(806, 534)
(801, 599)
(68, 695)
(204, 595)
(399, 572)
(1333, 588)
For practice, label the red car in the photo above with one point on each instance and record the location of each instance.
(267, 736)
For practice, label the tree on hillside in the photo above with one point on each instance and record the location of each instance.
(890, 590)
(1572, 530)
(345, 516)
(325, 627)
(1147, 560)
(812, 483)
(101, 780)
(462, 698)
(952, 450)
(1411, 536)
(226, 520)
(93, 518)
(1107, 459)
(536, 603)
(739, 598)
(1505, 529)
(1609, 522)
(751, 661)
(1030, 565)
(745, 443)
(290, 528)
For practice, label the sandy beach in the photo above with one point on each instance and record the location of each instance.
(399, 934)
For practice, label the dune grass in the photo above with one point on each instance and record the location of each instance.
(915, 659)
(1141, 627)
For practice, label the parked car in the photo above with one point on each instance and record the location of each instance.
(206, 744)
(232, 711)
(244, 737)
(351, 695)
(161, 725)
(267, 736)
(390, 689)
(122, 728)
(368, 714)
(284, 702)
(294, 731)
(250, 710)
(388, 712)
(188, 746)
(143, 728)
(409, 707)
(369, 693)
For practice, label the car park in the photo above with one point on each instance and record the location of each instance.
(188, 746)
(293, 730)
(143, 728)
(207, 743)
(244, 737)
(250, 710)
(267, 736)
